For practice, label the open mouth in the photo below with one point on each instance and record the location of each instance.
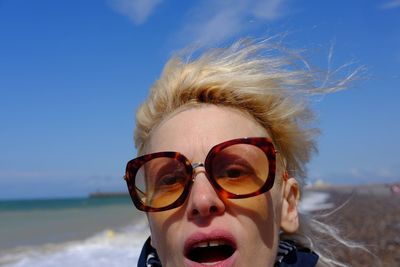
(210, 252)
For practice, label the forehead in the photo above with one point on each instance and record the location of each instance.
(196, 130)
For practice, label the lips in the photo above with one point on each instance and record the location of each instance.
(212, 249)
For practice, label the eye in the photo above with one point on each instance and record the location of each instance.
(171, 179)
(234, 171)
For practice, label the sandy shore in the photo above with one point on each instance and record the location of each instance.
(371, 217)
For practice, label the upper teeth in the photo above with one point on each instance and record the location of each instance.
(213, 243)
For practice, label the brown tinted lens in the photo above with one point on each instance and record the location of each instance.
(160, 182)
(240, 169)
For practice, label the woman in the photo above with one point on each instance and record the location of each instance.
(223, 140)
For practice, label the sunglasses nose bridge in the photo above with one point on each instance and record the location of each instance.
(197, 164)
(197, 171)
(194, 167)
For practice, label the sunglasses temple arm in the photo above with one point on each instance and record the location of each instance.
(124, 177)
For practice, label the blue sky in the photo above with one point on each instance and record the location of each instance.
(72, 74)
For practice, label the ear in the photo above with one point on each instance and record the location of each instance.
(289, 215)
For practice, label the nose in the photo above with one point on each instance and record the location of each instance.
(203, 201)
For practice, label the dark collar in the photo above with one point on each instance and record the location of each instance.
(289, 255)
(148, 256)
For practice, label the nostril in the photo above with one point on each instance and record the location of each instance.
(195, 212)
(213, 209)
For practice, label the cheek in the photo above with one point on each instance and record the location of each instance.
(158, 223)
(165, 232)
(260, 217)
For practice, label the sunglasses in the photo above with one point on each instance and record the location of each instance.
(238, 168)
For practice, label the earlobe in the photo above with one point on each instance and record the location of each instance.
(289, 214)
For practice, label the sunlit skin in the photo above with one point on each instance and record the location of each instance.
(254, 222)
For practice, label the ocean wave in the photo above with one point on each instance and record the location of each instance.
(109, 248)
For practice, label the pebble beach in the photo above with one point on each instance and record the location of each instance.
(370, 215)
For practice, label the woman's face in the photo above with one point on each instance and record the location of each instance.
(248, 226)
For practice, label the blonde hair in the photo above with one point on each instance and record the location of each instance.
(263, 80)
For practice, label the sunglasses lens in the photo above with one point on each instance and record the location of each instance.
(240, 169)
(161, 181)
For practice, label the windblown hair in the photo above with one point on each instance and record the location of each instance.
(265, 81)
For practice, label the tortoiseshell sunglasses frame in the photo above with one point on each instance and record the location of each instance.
(263, 143)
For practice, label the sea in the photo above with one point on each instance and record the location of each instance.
(82, 232)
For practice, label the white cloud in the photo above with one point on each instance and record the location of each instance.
(212, 22)
(391, 4)
(137, 10)
(269, 10)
